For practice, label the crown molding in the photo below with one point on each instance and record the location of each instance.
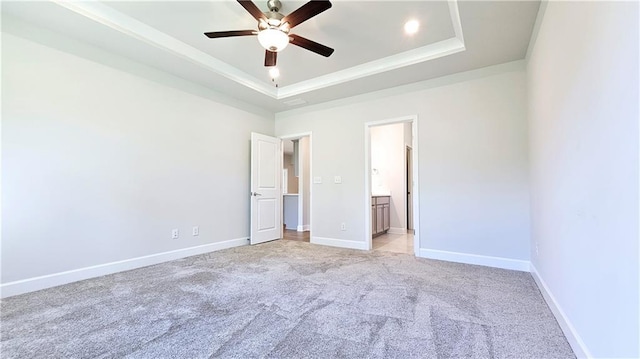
(127, 25)
(411, 57)
(536, 28)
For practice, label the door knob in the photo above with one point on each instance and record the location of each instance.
(255, 194)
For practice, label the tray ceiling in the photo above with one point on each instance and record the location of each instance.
(371, 50)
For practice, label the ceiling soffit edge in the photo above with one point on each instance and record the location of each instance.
(134, 28)
(118, 21)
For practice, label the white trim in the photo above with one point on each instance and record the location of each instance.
(536, 28)
(56, 279)
(574, 339)
(488, 261)
(413, 119)
(307, 227)
(342, 243)
(367, 187)
(455, 20)
(300, 228)
(397, 230)
(296, 136)
(430, 52)
(416, 185)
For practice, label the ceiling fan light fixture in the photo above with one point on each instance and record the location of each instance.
(273, 28)
(273, 39)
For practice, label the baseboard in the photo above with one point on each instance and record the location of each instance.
(342, 243)
(397, 230)
(496, 262)
(574, 339)
(304, 228)
(52, 280)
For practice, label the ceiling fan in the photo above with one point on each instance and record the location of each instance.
(273, 28)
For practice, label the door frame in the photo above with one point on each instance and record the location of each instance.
(300, 196)
(413, 119)
(408, 160)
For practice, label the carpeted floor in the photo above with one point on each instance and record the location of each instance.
(288, 299)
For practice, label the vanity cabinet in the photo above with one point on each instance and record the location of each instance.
(380, 214)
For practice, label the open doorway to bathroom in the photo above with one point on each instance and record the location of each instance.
(296, 188)
(391, 174)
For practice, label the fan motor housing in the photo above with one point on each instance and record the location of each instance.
(274, 5)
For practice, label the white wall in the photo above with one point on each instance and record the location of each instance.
(583, 110)
(473, 161)
(99, 165)
(387, 157)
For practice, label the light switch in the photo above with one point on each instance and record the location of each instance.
(337, 179)
(317, 179)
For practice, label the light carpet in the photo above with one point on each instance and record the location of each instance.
(288, 299)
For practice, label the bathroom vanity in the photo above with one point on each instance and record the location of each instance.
(380, 214)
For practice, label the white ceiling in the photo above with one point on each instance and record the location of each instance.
(371, 50)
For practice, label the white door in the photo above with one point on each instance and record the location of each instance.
(266, 195)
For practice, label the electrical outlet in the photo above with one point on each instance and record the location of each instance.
(195, 231)
(175, 233)
(537, 251)
(343, 226)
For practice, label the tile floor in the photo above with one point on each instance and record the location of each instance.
(398, 243)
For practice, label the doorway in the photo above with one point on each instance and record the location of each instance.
(296, 187)
(409, 187)
(391, 185)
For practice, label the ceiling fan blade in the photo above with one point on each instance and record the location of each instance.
(311, 45)
(253, 10)
(306, 12)
(270, 58)
(217, 34)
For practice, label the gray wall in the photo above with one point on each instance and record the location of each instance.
(583, 101)
(472, 158)
(99, 165)
(290, 209)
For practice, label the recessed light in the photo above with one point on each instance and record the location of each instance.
(411, 27)
(274, 72)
